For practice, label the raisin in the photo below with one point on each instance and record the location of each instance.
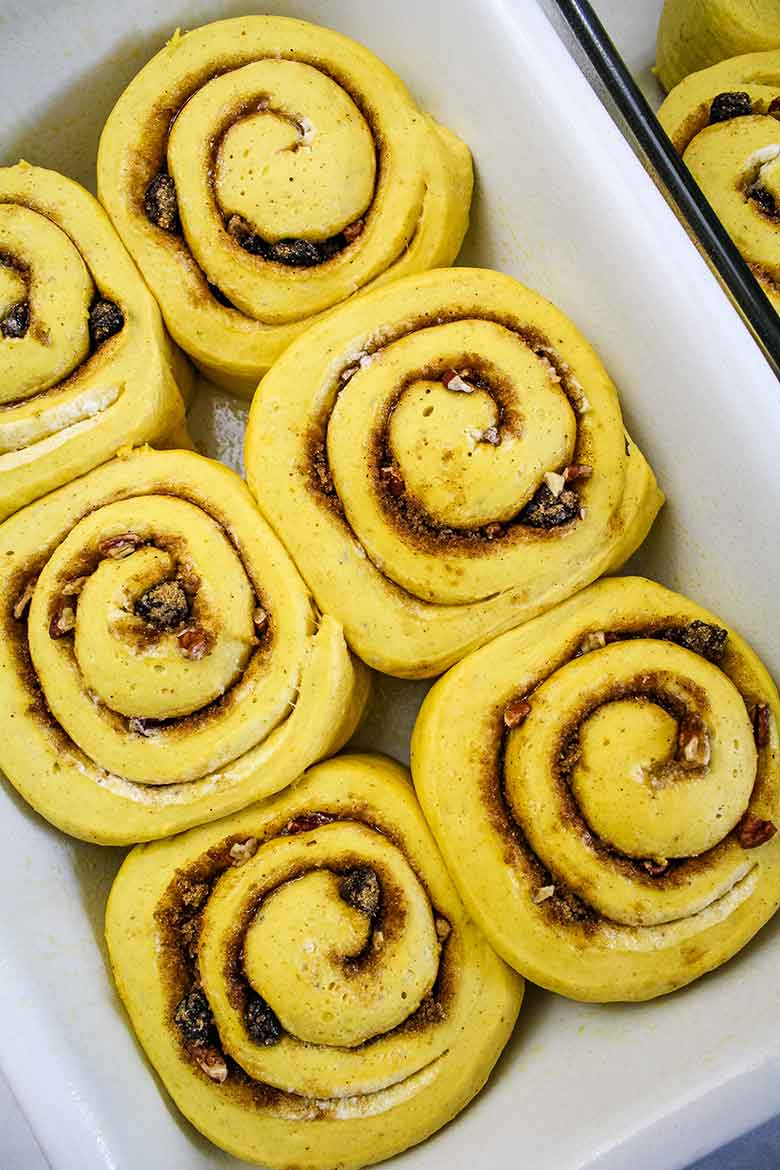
(193, 1017)
(730, 105)
(546, 510)
(774, 108)
(393, 480)
(160, 203)
(105, 319)
(360, 888)
(16, 321)
(195, 643)
(164, 606)
(700, 637)
(765, 200)
(262, 1023)
(295, 253)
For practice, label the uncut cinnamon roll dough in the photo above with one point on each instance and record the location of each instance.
(85, 364)
(161, 663)
(445, 458)
(604, 784)
(303, 976)
(262, 170)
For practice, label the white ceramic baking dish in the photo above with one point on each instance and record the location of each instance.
(563, 204)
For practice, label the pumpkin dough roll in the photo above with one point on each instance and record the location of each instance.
(725, 122)
(303, 976)
(603, 784)
(445, 458)
(85, 364)
(161, 662)
(694, 34)
(261, 170)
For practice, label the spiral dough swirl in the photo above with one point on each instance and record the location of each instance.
(261, 170)
(604, 785)
(85, 365)
(309, 961)
(444, 459)
(161, 664)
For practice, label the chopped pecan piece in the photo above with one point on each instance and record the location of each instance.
(555, 482)
(241, 851)
(353, 230)
(24, 598)
(63, 619)
(761, 724)
(494, 530)
(145, 727)
(443, 928)
(516, 712)
(655, 866)
(360, 888)
(593, 641)
(453, 381)
(306, 822)
(194, 643)
(392, 479)
(211, 1061)
(693, 743)
(120, 546)
(577, 471)
(492, 436)
(753, 831)
(260, 618)
(73, 588)
(542, 894)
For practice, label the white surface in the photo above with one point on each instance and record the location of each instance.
(563, 204)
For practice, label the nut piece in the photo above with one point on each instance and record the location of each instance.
(453, 381)
(16, 321)
(120, 546)
(760, 721)
(194, 643)
(730, 105)
(360, 888)
(393, 480)
(306, 822)
(516, 712)
(655, 866)
(212, 1062)
(492, 436)
(74, 587)
(145, 727)
(241, 851)
(160, 203)
(592, 641)
(63, 619)
(260, 618)
(494, 530)
(542, 894)
(555, 482)
(353, 230)
(577, 471)
(262, 1023)
(693, 743)
(443, 928)
(24, 599)
(105, 319)
(753, 832)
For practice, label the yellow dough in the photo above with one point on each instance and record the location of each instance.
(694, 34)
(402, 494)
(297, 172)
(600, 782)
(736, 162)
(161, 663)
(313, 955)
(74, 386)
